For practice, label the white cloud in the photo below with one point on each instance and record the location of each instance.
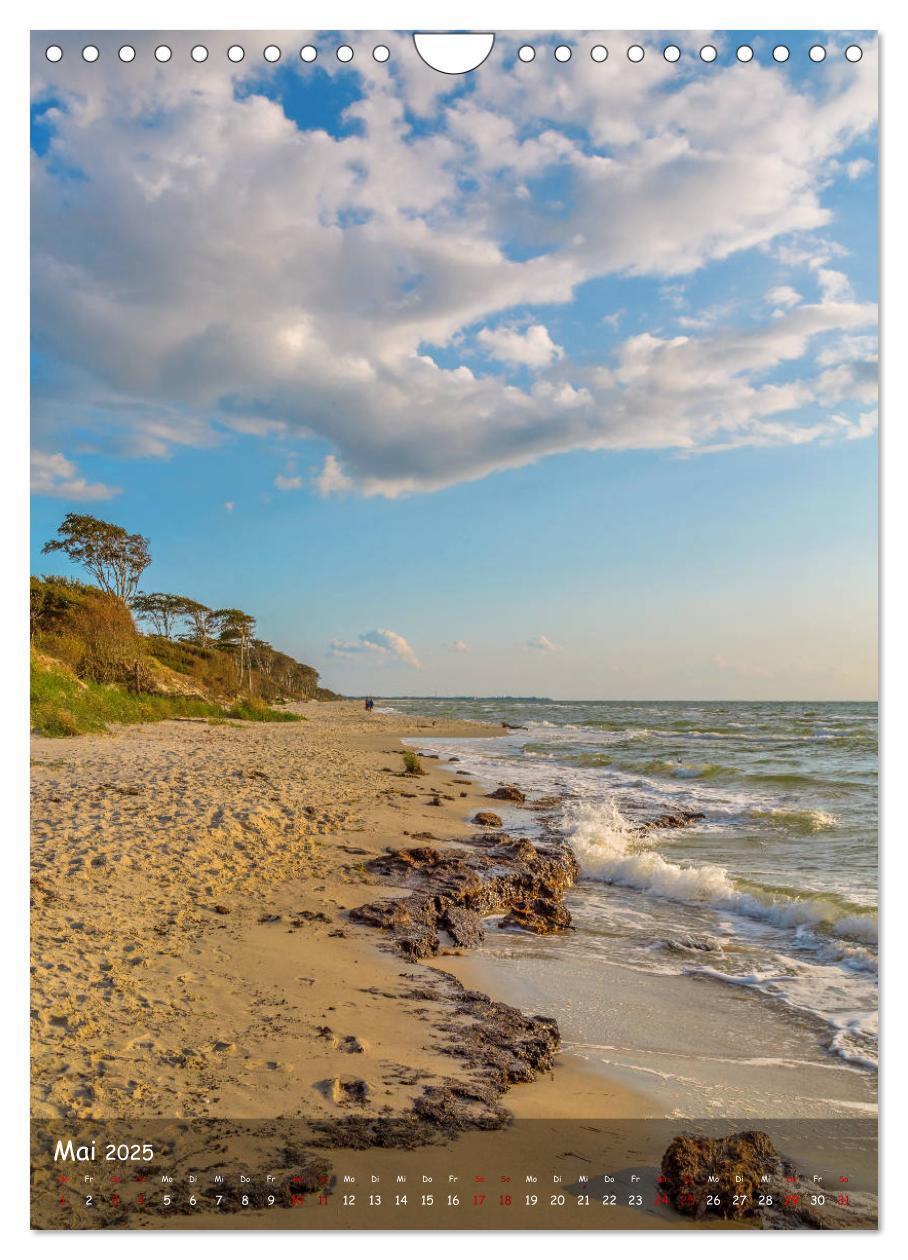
(229, 505)
(458, 645)
(834, 285)
(849, 382)
(848, 349)
(284, 482)
(542, 643)
(859, 167)
(533, 347)
(58, 477)
(783, 295)
(379, 644)
(201, 274)
(864, 426)
(331, 479)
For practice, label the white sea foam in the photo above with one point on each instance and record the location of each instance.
(805, 820)
(609, 848)
(802, 989)
(842, 1045)
(768, 815)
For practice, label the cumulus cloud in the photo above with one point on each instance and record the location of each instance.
(532, 347)
(221, 266)
(284, 482)
(859, 167)
(834, 285)
(542, 643)
(386, 645)
(458, 645)
(58, 477)
(332, 479)
(783, 295)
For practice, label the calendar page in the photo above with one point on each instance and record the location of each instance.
(453, 630)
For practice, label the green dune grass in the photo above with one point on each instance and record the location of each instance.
(63, 705)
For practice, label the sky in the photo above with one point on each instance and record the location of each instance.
(548, 379)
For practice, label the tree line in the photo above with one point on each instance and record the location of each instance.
(116, 560)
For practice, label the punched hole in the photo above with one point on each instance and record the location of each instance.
(272, 53)
(381, 52)
(599, 52)
(672, 53)
(453, 52)
(526, 52)
(345, 53)
(745, 53)
(854, 52)
(90, 53)
(162, 53)
(308, 53)
(126, 53)
(635, 53)
(236, 52)
(199, 53)
(53, 52)
(780, 53)
(708, 53)
(817, 53)
(562, 53)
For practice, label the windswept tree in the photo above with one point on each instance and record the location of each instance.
(199, 616)
(235, 632)
(113, 557)
(164, 612)
(161, 611)
(262, 655)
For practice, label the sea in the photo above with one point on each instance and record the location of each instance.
(748, 938)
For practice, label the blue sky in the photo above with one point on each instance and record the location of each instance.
(555, 379)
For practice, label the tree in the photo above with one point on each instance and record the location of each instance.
(263, 657)
(160, 610)
(114, 558)
(235, 630)
(199, 617)
(163, 612)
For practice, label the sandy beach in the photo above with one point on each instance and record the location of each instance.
(189, 938)
(192, 956)
(205, 950)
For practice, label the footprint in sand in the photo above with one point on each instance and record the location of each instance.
(349, 1044)
(344, 1091)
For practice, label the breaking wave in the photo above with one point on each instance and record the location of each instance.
(805, 821)
(611, 849)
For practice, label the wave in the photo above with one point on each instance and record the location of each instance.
(679, 770)
(807, 821)
(543, 724)
(689, 943)
(609, 848)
